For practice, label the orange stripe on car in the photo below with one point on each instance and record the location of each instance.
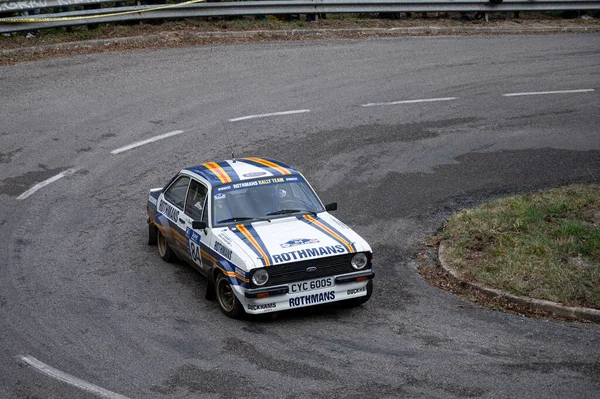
(330, 232)
(218, 171)
(255, 243)
(272, 165)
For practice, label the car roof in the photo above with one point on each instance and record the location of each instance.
(231, 171)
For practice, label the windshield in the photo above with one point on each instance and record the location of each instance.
(263, 199)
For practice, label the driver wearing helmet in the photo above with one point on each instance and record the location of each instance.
(268, 199)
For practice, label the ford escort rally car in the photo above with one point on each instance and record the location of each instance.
(259, 233)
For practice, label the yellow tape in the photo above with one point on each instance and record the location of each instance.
(32, 20)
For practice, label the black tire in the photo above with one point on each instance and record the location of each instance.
(351, 303)
(226, 298)
(165, 252)
(152, 238)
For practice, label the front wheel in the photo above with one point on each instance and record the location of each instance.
(351, 303)
(226, 297)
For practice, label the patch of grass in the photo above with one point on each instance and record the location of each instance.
(544, 245)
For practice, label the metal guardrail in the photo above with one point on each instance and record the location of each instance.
(199, 8)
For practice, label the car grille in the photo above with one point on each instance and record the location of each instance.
(296, 271)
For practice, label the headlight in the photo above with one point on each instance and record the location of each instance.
(260, 277)
(359, 261)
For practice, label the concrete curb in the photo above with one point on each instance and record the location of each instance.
(274, 34)
(556, 308)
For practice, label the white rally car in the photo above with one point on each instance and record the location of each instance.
(259, 233)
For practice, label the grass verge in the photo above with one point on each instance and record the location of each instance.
(544, 245)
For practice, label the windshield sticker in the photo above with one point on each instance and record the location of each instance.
(245, 184)
(261, 182)
(220, 196)
(298, 241)
(271, 181)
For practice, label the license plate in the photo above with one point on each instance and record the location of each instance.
(311, 285)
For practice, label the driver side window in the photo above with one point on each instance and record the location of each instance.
(176, 193)
(195, 202)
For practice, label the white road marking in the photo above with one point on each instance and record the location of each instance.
(69, 379)
(537, 93)
(423, 100)
(243, 118)
(144, 142)
(45, 183)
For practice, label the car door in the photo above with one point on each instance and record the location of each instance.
(196, 210)
(170, 206)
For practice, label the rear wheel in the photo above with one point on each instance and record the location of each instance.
(165, 252)
(351, 303)
(226, 297)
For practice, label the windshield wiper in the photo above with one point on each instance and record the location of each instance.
(241, 218)
(285, 211)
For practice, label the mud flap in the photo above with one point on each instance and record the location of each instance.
(210, 287)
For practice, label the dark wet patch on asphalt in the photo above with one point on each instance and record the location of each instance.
(367, 196)
(15, 186)
(6, 157)
(476, 177)
(352, 346)
(388, 286)
(542, 114)
(432, 340)
(20, 245)
(588, 369)
(365, 137)
(416, 387)
(204, 381)
(103, 137)
(286, 367)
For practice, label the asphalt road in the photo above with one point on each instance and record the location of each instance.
(81, 291)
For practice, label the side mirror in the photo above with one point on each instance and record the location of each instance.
(199, 225)
(331, 207)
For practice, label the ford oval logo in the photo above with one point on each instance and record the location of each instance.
(311, 269)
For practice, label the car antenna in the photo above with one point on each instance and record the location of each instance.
(230, 144)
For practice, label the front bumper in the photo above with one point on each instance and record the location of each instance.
(274, 299)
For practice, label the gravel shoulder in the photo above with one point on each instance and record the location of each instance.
(58, 42)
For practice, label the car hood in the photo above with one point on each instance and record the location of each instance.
(295, 239)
